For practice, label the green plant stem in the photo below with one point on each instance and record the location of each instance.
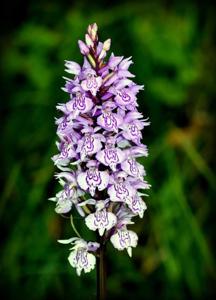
(101, 271)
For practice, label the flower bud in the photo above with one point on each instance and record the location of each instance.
(83, 48)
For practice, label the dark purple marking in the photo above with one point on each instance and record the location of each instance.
(93, 177)
(121, 190)
(109, 121)
(111, 156)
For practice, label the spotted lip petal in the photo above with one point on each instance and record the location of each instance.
(133, 168)
(92, 83)
(70, 194)
(109, 121)
(64, 201)
(89, 145)
(121, 192)
(80, 104)
(92, 179)
(124, 239)
(111, 157)
(101, 220)
(82, 260)
(65, 156)
(137, 205)
(123, 97)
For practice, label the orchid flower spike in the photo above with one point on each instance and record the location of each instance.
(99, 140)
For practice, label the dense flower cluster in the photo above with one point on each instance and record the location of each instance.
(99, 140)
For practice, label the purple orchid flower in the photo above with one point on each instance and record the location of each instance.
(93, 178)
(80, 256)
(100, 138)
(101, 219)
(90, 143)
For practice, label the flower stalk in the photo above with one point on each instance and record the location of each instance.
(101, 271)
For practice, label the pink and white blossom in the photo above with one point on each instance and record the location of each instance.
(99, 140)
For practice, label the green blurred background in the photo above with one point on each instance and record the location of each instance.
(173, 48)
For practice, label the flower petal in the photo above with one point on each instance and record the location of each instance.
(111, 157)
(137, 205)
(91, 83)
(101, 220)
(82, 260)
(81, 179)
(109, 121)
(124, 239)
(63, 206)
(133, 168)
(72, 67)
(120, 192)
(104, 180)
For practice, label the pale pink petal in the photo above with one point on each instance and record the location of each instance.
(90, 146)
(90, 222)
(124, 65)
(81, 179)
(114, 61)
(72, 67)
(133, 168)
(101, 220)
(82, 260)
(104, 180)
(123, 83)
(124, 97)
(125, 73)
(120, 192)
(124, 239)
(137, 205)
(110, 121)
(111, 157)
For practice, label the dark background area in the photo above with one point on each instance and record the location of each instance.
(173, 47)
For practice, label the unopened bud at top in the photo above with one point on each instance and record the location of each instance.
(106, 47)
(83, 48)
(89, 41)
(92, 31)
(107, 44)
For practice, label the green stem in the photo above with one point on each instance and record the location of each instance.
(101, 272)
(73, 226)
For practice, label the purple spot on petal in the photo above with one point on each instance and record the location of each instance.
(64, 152)
(109, 121)
(63, 125)
(125, 97)
(124, 238)
(81, 257)
(68, 190)
(121, 191)
(101, 218)
(134, 130)
(91, 81)
(133, 166)
(88, 145)
(93, 177)
(135, 204)
(111, 156)
(80, 101)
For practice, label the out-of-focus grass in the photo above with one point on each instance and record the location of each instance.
(173, 51)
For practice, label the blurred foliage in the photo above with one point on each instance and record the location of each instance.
(174, 53)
